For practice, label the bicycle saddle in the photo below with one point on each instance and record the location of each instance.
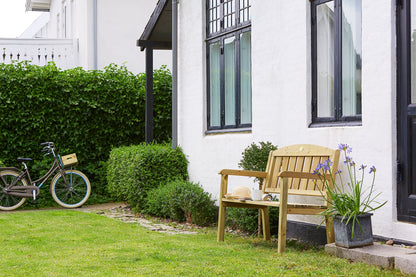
(24, 159)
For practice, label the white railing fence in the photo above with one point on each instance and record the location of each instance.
(64, 52)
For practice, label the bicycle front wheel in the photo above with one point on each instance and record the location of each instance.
(74, 194)
(10, 202)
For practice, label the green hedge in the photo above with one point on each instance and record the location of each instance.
(182, 200)
(87, 112)
(134, 170)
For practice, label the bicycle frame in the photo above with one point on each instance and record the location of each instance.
(32, 190)
(45, 177)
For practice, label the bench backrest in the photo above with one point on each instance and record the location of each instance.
(302, 158)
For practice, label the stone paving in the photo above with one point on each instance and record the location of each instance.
(121, 211)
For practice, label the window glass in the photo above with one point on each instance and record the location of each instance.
(325, 59)
(229, 13)
(351, 57)
(245, 12)
(214, 84)
(245, 77)
(229, 61)
(214, 16)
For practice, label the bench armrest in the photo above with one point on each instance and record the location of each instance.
(247, 173)
(301, 175)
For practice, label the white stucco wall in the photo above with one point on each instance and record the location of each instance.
(119, 25)
(281, 82)
(78, 25)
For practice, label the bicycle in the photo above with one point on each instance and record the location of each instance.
(70, 188)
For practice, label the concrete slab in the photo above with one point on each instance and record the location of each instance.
(406, 263)
(373, 254)
(381, 255)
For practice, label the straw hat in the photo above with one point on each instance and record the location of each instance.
(240, 192)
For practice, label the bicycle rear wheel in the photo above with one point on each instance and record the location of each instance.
(9, 202)
(74, 194)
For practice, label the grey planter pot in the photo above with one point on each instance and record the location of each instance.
(362, 237)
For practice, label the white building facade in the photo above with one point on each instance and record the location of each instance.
(295, 72)
(102, 32)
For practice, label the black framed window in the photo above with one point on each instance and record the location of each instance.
(336, 60)
(228, 64)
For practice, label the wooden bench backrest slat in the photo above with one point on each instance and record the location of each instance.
(298, 158)
(299, 167)
(316, 160)
(306, 167)
(275, 165)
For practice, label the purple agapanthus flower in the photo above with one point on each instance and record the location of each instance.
(326, 164)
(344, 147)
(317, 169)
(362, 167)
(348, 160)
(372, 169)
(316, 172)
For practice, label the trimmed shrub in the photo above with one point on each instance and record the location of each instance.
(87, 112)
(246, 220)
(157, 202)
(132, 171)
(255, 157)
(182, 200)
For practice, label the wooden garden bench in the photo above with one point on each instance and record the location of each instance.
(289, 172)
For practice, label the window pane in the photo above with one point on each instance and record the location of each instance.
(245, 13)
(245, 76)
(325, 59)
(413, 50)
(229, 69)
(214, 84)
(351, 57)
(214, 16)
(229, 13)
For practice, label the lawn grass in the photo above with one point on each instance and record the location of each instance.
(73, 243)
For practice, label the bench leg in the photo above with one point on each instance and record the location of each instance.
(221, 223)
(266, 223)
(330, 237)
(281, 247)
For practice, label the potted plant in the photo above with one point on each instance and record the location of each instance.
(350, 205)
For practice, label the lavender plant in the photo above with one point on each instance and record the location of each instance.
(353, 199)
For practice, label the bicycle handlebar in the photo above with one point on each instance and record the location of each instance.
(48, 147)
(48, 143)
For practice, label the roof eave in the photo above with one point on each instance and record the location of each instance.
(158, 31)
